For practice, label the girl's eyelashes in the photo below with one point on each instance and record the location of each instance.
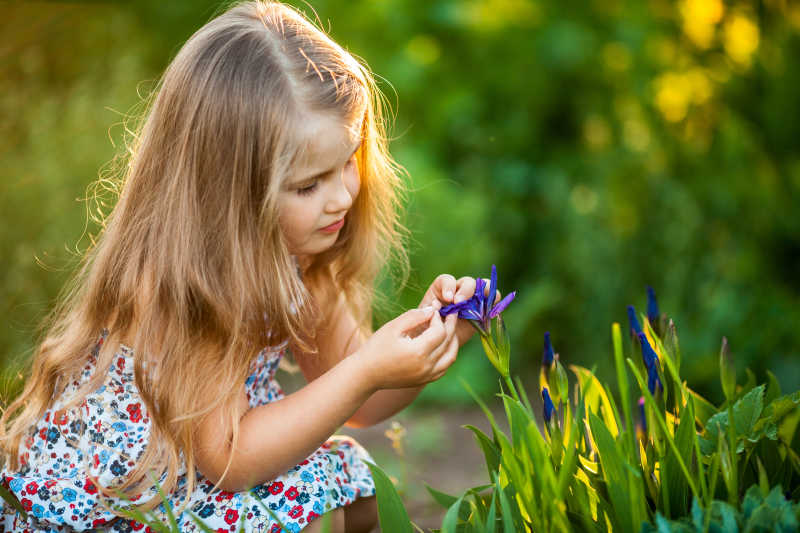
(308, 189)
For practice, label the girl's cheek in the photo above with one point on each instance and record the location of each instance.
(353, 184)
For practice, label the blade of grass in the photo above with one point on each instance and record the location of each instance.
(624, 387)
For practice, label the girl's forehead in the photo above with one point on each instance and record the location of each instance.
(325, 141)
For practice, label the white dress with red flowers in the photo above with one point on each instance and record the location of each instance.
(110, 432)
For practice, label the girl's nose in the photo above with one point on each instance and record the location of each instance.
(341, 197)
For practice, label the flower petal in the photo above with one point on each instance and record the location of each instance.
(492, 288)
(502, 304)
(634, 322)
(452, 308)
(653, 381)
(649, 357)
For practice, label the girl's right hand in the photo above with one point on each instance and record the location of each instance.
(393, 359)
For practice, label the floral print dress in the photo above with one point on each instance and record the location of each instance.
(112, 433)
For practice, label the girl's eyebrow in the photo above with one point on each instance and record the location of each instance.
(326, 172)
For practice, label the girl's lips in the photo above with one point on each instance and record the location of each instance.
(336, 226)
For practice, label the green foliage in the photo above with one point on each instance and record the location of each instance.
(680, 469)
(572, 143)
(759, 513)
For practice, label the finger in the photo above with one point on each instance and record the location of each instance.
(450, 324)
(465, 288)
(413, 318)
(432, 337)
(447, 359)
(450, 332)
(446, 287)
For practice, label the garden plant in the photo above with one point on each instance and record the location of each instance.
(660, 458)
(663, 459)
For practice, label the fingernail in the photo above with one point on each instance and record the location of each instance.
(448, 295)
(427, 309)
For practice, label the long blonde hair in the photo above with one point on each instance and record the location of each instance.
(191, 269)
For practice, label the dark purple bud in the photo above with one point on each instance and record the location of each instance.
(648, 355)
(653, 381)
(548, 354)
(652, 306)
(549, 408)
(636, 329)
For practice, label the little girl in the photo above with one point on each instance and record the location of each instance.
(263, 160)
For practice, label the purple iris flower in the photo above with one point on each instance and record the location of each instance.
(549, 408)
(648, 355)
(652, 306)
(634, 322)
(653, 381)
(480, 309)
(548, 355)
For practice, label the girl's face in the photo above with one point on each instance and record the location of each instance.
(315, 199)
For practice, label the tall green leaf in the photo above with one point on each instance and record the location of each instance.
(392, 513)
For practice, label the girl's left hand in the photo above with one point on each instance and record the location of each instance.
(445, 290)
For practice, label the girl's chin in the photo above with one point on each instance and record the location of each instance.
(317, 247)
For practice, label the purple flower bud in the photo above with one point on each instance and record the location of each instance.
(648, 355)
(549, 354)
(653, 381)
(549, 408)
(636, 329)
(652, 306)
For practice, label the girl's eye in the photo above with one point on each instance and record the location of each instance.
(304, 191)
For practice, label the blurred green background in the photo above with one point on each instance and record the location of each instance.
(588, 149)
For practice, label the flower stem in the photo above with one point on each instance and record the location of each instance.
(513, 389)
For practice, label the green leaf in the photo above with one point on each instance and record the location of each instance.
(508, 517)
(778, 409)
(673, 481)
(445, 500)
(12, 500)
(773, 388)
(622, 382)
(490, 452)
(495, 430)
(595, 398)
(615, 474)
(727, 516)
(392, 513)
(167, 506)
(703, 408)
(746, 413)
(450, 521)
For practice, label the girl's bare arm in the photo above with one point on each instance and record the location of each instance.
(339, 337)
(279, 435)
